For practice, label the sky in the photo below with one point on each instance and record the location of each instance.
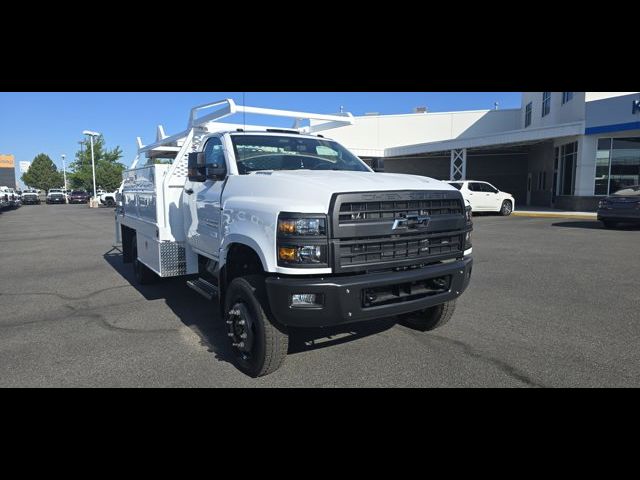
(52, 123)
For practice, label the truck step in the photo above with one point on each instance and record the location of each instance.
(204, 288)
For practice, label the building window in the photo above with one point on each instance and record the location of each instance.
(617, 164)
(566, 96)
(568, 160)
(546, 103)
(527, 115)
(603, 166)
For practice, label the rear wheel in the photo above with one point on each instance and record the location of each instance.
(111, 202)
(430, 318)
(260, 345)
(506, 208)
(144, 275)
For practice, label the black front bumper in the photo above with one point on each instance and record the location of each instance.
(30, 201)
(56, 200)
(345, 297)
(630, 215)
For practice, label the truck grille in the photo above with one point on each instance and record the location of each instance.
(418, 247)
(361, 212)
(366, 236)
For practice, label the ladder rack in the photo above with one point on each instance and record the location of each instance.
(209, 123)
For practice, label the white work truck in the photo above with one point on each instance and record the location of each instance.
(286, 228)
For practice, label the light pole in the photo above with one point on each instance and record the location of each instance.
(64, 171)
(93, 163)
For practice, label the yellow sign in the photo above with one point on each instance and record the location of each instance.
(7, 161)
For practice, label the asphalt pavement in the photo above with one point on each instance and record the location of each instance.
(552, 303)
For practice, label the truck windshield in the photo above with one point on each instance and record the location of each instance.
(279, 152)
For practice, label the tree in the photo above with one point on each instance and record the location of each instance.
(43, 174)
(108, 169)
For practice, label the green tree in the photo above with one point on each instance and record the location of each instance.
(43, 174)
(108, 169)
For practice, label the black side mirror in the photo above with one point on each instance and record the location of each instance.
(196, 170)
(216, 171)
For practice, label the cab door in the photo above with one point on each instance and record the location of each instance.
(491, 197)
(203, 196)
(475, 196)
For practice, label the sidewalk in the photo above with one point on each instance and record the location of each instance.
(542, 212)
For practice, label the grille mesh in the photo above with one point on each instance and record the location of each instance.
(360, 212)
(408, 247)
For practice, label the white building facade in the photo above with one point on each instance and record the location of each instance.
(559, 149)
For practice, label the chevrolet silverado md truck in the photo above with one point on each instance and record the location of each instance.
(286, 228)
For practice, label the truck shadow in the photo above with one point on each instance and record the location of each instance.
(202, 317)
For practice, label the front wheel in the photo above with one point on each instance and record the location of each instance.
(260, 345)
(506, 208)
(430, 318)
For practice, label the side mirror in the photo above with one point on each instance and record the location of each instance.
(196, 170)
(216, 171)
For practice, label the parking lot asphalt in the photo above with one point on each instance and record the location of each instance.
(552, 303)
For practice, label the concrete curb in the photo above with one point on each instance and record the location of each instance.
(593, 216)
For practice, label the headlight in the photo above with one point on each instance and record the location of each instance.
(302, 240)
(302, 226)
(302, 254)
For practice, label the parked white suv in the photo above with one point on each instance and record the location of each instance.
(484, 197)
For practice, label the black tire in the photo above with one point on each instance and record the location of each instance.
(609, 224)
(143, 274)
(111, 202)
(506, 208)
(269, 341)
(430, 318)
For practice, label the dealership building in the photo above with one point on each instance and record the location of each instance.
(7, 171)
(559, 149)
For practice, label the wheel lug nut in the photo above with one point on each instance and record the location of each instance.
(229, 334)
(241, 322)
(243, 336)
(229, 322)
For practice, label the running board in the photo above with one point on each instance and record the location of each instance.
(204, 288)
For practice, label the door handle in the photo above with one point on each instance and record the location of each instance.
(188, 191)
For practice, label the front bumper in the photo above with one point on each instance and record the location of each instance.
(619, 214)
(30, 201)
(56, 200)
(344, 297)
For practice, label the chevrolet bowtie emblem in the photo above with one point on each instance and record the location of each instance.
(411, 221)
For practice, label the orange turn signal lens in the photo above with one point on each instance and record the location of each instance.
(288, 254)
(287, 226)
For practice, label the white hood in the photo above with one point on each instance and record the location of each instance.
(311, 191)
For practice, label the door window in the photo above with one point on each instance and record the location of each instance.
(475, 187)
(488, 188)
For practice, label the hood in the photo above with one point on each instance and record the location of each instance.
(311, 191)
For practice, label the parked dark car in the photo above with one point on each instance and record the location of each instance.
(78, 196)
(621, 207)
